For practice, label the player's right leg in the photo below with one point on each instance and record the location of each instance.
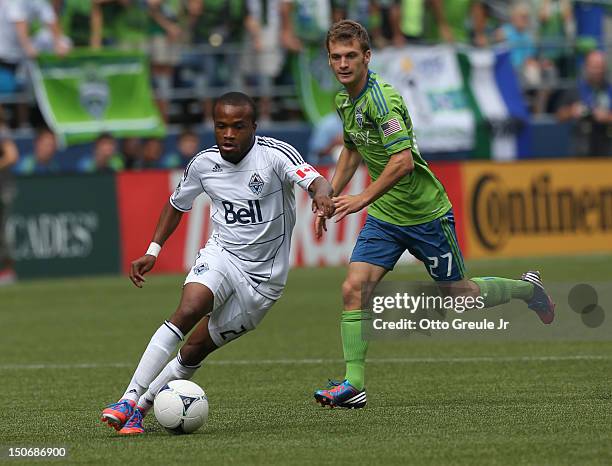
(187, 361)
(206, 286)
(196, 302)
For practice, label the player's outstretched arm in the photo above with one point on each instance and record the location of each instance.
(399, 165)
(167, 223)
(347, 165)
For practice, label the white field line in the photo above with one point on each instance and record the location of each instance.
(270, 362)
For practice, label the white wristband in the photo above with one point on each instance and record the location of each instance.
(153, 250)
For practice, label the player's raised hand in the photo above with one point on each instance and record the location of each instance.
(320, 226)
(346, 205)
(140, 267)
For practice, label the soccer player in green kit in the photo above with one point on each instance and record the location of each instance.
(408, 208)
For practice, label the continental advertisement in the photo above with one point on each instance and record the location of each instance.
(537, 208)
(81, 225)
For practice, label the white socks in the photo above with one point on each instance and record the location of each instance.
(160, 348)
(174, 370)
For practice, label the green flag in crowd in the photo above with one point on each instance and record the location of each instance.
(315, 82)
(89, 92)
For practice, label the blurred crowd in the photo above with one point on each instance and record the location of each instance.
(200, 48)
(107, 154)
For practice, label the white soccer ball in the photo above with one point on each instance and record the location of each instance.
(181, 407)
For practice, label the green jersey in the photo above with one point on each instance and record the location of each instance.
(377, 125)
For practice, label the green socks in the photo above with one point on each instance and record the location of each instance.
(497, 290)
(494, 290)
(354, 346)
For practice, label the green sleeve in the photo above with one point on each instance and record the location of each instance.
(393, 122)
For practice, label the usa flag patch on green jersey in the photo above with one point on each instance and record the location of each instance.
(390, 127)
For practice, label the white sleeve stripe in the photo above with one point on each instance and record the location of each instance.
(273, 146)
(291, 149)
(278, 144)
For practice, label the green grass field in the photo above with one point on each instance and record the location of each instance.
(68, 347)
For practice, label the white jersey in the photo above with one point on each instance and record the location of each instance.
(14, 11)
(253, 211)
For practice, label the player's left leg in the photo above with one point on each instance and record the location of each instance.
(435, 243)
(376, 252)
(350, 393)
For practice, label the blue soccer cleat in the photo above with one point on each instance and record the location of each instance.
(117, 414)
(342, 395)
(540, 302)
(134, 424)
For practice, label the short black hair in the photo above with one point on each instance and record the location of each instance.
(237, 99)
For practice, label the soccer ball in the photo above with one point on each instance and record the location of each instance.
(181, 407)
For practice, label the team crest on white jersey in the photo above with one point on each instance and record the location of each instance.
(256, 184)
(201, 268)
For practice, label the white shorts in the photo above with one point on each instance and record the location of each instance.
(237, 307)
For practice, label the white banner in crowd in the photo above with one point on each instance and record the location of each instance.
(485, 88)
(431, 84)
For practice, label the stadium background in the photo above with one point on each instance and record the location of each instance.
(548, 205)
(468, 102)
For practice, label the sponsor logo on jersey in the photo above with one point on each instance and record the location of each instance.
(256, 184)
(217, 168)
(243, 216)
(361, 138)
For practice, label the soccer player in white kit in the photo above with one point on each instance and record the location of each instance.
(242, 269)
